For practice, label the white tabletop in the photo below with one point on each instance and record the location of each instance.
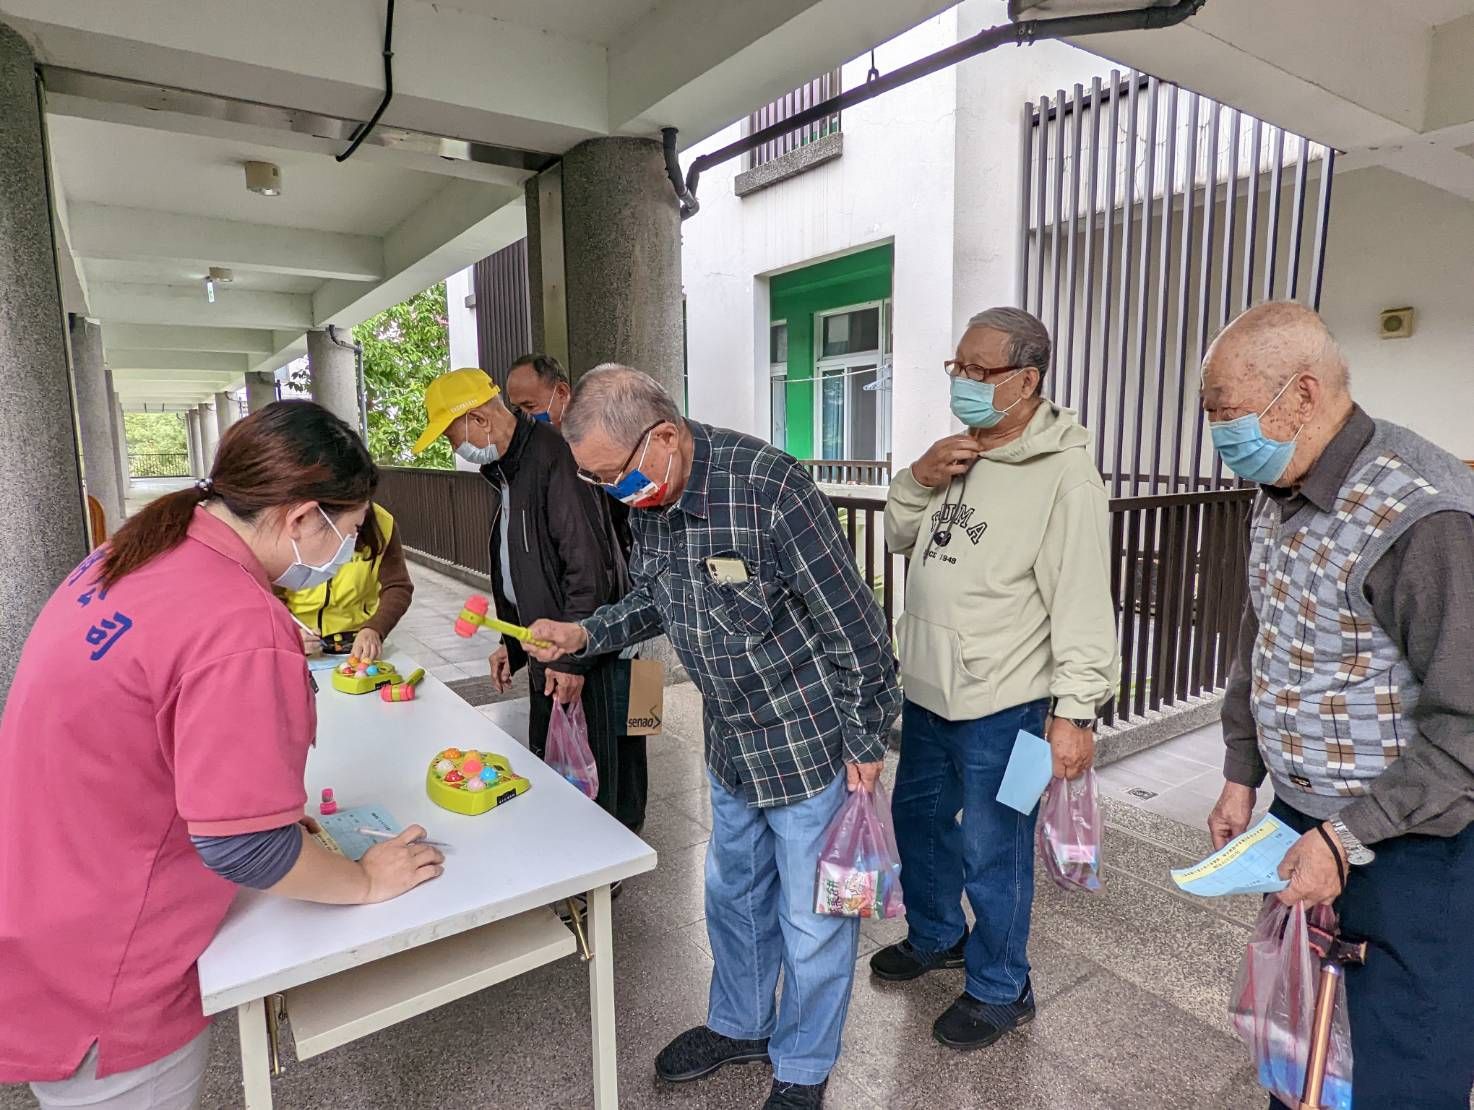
(548, 844)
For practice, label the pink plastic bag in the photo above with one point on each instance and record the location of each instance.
(1068, 833)
(859, 866)
(568, 748)
(1274, 1005)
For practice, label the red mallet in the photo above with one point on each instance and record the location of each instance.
(402, 691)
(472, 616)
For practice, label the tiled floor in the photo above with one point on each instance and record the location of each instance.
(1180, 779)
(1133, 983)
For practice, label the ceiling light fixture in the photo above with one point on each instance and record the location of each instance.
(264, 178)
(210, 289)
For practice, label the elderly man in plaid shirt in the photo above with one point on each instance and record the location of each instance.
(739, 560)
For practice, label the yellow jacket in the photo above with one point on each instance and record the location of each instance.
(345, 603)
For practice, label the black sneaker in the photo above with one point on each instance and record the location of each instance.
(702, 1050)
(795, 1096)
(901, 961)
(969, 1023)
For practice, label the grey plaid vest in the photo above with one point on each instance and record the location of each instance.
(1332, 693)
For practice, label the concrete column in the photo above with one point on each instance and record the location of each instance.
(95, 419)
(45, 532)
(621, 242)
(209, 438)
(192, 434)
(224, 413)
(125, 469)
(334, 371)
(260, 390)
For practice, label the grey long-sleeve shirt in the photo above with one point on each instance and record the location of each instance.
(1422, 593)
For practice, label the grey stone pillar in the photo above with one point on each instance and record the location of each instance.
(209, 438)
(125, 470)
(622, 260)
(334, 371)
(224, 413)
(260, 390)
(196, 447)
(95, 420)
(45, 533)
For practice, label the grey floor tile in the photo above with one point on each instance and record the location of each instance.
(667, 828)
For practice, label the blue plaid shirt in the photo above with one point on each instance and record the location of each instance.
(795, 664)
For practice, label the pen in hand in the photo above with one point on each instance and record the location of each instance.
(381, 834)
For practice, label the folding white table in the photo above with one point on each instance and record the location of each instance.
(343, 972)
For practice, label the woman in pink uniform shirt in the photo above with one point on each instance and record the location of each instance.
(151, 761)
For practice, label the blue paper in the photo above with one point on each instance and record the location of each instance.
(1247, 864)
(342, 828)
(1030, 768)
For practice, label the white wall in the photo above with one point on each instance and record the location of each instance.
(931, 168)
(1396, 242)
(464, 348)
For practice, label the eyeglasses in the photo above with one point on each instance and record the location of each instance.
(598, 480)
(973, 372)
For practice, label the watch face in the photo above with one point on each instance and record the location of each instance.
(1360, 856)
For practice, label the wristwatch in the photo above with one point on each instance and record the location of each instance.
(1086, 723)
(1357, 853)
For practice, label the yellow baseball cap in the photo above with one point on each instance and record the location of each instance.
(453, 394)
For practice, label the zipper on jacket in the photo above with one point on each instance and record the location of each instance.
(525, 546)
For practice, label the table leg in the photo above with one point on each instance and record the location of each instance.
(601, 1000)
(255, 1054)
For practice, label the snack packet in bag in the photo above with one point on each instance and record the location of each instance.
(859, 873)
(568, 748)
(1274, 1005)
(1069, 831)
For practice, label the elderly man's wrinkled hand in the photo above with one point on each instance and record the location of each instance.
(1311, 867)
(564, 638)
(945, 459)
(1231, 814)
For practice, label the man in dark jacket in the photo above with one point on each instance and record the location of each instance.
(554, 555)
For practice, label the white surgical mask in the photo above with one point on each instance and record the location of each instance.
(477, 456)
(303, 576)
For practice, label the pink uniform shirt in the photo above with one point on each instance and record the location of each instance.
(176, 703)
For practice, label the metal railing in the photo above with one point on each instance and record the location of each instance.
(159, 464)
(850, 472)
(1179, 571)
(817, 91)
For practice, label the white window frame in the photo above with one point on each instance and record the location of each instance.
(879, 358)
(777, 372)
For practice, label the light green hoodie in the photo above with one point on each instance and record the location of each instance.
(1017, 605)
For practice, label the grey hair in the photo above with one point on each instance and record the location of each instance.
(620, 401)
(1028, 338)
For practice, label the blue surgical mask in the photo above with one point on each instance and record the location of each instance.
(546, 416)
(1248, 452)
(972, 402)
(477, 456)
(303, 576)
(638, 491)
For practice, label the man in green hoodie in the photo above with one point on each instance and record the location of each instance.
(1009, 625)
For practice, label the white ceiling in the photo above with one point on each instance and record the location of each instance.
(1430, 13)
(168, 273)
(600, 23)
(137, 167)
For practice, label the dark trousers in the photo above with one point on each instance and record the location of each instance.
(1411, 1007)
(955, 837)
(623, 775)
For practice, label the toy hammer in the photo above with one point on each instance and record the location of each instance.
(475, 615)
(402, 691)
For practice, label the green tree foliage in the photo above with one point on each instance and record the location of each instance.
(404, 349)
(154, 433)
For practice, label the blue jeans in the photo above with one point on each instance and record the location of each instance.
(760, 870)
(947, 766)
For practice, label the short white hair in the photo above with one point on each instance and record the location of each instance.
(620, 400)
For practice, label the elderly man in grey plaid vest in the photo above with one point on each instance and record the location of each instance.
(1352, 688)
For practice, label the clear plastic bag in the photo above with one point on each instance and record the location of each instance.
(1274, 1005)
(568, 747)
(859, 866)
(1068, 833)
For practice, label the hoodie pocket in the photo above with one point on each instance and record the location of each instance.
(933, 670)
